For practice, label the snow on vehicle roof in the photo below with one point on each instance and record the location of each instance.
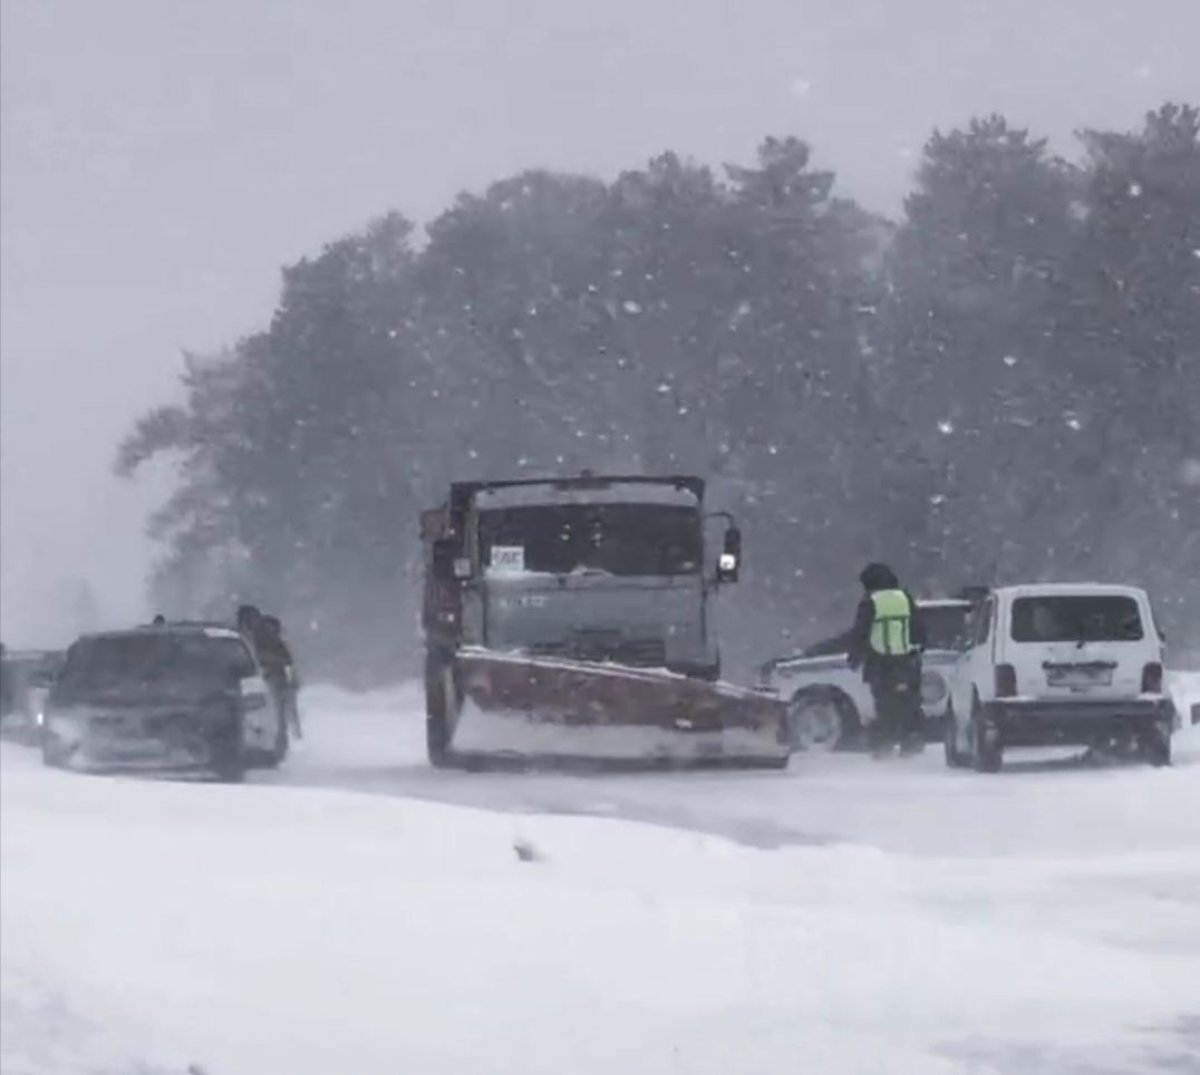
(532, 495)
(1072, 589)
(209, 630)
(943, 602)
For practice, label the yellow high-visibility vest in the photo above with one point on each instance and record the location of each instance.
(891, 633)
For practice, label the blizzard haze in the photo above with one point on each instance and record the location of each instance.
(160, 162)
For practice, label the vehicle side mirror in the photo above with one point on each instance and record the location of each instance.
(729, 563)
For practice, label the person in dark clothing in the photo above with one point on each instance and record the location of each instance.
(885, 642)
(279, 669)
(249, 621)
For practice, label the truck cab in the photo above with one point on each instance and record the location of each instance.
(571, 617)
(597, 569)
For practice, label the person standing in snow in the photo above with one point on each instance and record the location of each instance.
(249, 623)
(279, 669)
(885, 642)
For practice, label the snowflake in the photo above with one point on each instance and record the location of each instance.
(1010, 360)
(664, 387)
(945, 426)
(631, 307)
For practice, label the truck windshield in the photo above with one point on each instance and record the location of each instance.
(613, 539)
(1076, 618)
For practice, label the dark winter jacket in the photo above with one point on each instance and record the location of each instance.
(272, 652)
(877, 577)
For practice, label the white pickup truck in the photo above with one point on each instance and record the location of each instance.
(828, 702)
(1073, 664)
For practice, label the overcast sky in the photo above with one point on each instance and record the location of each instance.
(160, 159)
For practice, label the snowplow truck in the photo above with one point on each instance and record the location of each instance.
(571, 618)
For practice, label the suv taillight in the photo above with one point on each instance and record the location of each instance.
(1006, 681)
(1152, 678)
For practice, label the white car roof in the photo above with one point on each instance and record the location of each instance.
(1068, 589)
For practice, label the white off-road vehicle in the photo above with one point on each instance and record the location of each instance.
(828, 702)
(1076, 664)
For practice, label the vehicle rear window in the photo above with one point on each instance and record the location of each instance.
(1076, 618)
(946, 626)
(122, 659)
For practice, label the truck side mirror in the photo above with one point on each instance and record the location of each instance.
(729, 563)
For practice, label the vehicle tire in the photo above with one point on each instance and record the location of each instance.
(955, 758)
(1155, 748)
(985, 757)
(822, 722)
(440, 694)
(282, 745)
(232, 763)
(53, 756)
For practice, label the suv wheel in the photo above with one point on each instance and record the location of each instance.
(987, 757)
(282, 744)
(955, 758)
(53, 754)
(1155, 748)
(231, 763)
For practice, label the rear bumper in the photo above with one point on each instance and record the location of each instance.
(1020, 723)
(184, 751)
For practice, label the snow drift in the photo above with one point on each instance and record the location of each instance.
(149, 927)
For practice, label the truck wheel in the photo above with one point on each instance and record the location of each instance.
(955, 758)
(1155, 748)
(439, 696)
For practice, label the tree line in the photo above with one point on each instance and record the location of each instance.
(1002, 385)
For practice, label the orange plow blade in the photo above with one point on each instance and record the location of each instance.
(536, 709)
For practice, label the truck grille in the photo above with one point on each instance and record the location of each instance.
(640, 653)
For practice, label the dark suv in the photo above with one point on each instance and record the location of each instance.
(172, 698)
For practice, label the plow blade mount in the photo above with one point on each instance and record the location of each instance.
(552, 710)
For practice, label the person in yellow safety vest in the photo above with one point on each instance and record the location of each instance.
(886, 642)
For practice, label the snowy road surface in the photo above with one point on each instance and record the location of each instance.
(358, 913)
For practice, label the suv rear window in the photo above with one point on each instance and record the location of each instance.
(122, 659)
(1076, 618)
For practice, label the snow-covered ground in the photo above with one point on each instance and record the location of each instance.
(358, 913)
